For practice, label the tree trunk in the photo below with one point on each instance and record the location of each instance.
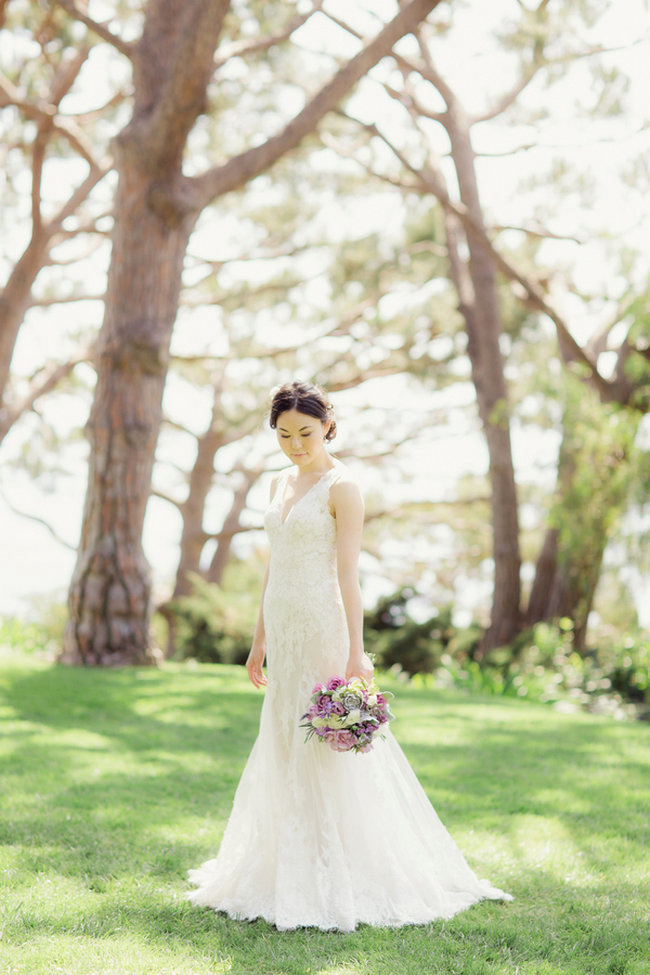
(592, 483)
(478, 298)
(110, 592)
(109, 598)
(564, 590)
(230, 528)
(194, 536)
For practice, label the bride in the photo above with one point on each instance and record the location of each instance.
(317, 837)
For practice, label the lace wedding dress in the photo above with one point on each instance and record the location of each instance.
(317, 837)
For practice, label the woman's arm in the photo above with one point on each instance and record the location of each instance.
(255, 660)
(348, 509)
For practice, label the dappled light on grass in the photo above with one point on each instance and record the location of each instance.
(114, 783)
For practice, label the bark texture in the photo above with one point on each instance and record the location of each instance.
(110, 593)
(475, 282)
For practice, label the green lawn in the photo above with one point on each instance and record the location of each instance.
(114, 783)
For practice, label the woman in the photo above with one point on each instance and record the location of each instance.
(317, 837)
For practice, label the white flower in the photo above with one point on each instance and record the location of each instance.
(354, 717)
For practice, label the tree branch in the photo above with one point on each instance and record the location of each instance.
(172, 82)
(238, 298)
(400, 184)
(65, 300)
(44, 382)
(271, 253)
(538, 231)
(243, 48)
(244, 167)
(155, 493)
(509, 97)
(39, 521)
(95, 175)
(432, 182)
(73, 9)
(539, 62)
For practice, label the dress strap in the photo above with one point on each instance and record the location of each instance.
(332, 476)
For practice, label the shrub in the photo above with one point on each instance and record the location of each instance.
(213, 624)
(396, 639)
(541, 662)
(44, 634)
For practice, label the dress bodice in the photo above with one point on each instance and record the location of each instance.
(303, 545)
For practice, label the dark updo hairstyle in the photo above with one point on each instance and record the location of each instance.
(305, 398)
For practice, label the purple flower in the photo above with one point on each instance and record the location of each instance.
(343, 741)
(334, 682)
(325, 704)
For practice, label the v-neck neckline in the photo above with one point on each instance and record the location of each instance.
(283, 520)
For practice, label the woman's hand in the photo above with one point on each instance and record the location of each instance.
(360, 665)
(254, 665)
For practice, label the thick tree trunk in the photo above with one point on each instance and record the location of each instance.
(109, 598)
(476, 285)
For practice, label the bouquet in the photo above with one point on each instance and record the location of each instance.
(347, 714)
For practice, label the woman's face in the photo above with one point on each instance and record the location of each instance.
(301, 436)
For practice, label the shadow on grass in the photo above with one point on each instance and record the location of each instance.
(537, 937)
(189, 734)
(124, 779)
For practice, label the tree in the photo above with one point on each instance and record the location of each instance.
(476, 262)
(156, 208)
(37, 129)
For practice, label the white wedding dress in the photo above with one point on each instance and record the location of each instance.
(316, 837)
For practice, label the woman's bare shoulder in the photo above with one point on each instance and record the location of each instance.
(344, 484)
(343, 475)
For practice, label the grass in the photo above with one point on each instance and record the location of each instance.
(114, 783)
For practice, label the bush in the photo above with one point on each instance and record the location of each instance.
(44, 635)
(213, 624)
(397, 640)
(541, 663)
